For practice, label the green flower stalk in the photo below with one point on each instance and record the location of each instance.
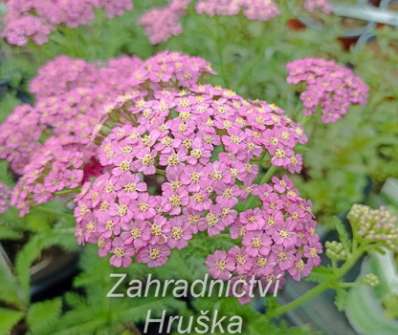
(373, 230)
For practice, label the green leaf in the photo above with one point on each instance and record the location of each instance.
(8, 233)
(8, 319)
(43, 316)
(364, 309)
(33, 249)
(9, 289)
(341, 299)
(320, 274)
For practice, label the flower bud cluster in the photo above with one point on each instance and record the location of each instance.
(370, 279)
(376, 226)
(335, 251)
(329, 86)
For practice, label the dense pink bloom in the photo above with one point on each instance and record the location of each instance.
(162, 23)
(36, 19)
(258, 10)
(140, 140)
(19, 137)
(313, 5)
(62, 75)
(58, 165)
(160, 184)
(332, 87)
(5, 195)
(278, 238)
(220, 266)
(71, 95)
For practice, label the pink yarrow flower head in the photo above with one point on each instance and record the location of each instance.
(162, 181)
(322, 5)
(329, 86)
(19, 137)
(58, 165)
(34, 20)
(70, 95)
(61, 75)
(5, 196)
(257, 10)
(162, 23)
(168, 69)
(278, 238)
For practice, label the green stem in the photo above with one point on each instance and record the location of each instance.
(268, 175)
(53, 211)
(315, 291)
(263, 180)
(69, 191)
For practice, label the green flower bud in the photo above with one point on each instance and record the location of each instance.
(377, 226)
(370, 279)
(335, 251)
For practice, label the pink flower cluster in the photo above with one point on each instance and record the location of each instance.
(59, 165)
(162, 180)
(5, 195)
(36, 19)
(160, 158)
(19, 137)
(170, 69)
(322, 5)
(72, 97)
(332, 87)
(276, 239)
(49, 143)
(258, 10)
(162, 23)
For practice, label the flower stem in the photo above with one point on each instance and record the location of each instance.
(315, 291)
(68, 191)
(268, 175)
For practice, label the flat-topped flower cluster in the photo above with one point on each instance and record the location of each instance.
(160, 157)
(36, 19)
(49, 144)
(329, 86)
(163, 179)
(275, 239)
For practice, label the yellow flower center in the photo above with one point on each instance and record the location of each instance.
(143, 206)
(211, 219)
(176, 233)
(122, 210)
(173, 160)
(125, 166)
(256, 243)
(284, 234)
(175, 200)
(262, 262)
(135, 233)
(130, 187)
(119, 252)
(154, 253)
